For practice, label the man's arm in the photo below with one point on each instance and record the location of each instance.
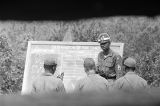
(106, 83)
(79, 85)
(118, 66)
(99, 67)
(61, 76)
(118, 84)
(61, 88)
(146, 86)
(33, 89)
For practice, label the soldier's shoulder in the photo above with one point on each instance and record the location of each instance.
(81, 81)
(53, 79)
(103, 79)
(58, 81)
(37, 79)
(121, 79)
(143, 80)
(100, 53)
(116, 55)
(99, 77)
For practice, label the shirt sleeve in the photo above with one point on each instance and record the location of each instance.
(78, 86)
(106, 83)
(99, 65)
(146, 86)
(118, 84)
(61, 88)
(33, 89)
(118, 66)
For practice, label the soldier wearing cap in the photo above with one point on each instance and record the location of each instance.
(109, 63)
(130, 81)
(92, 82)
(47, 82)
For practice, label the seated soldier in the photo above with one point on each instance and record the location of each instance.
(130, 81)
(93, 82)
(47, 81)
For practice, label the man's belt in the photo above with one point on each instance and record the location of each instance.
(108, 77)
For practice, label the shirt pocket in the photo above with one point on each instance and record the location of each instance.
(109, 62)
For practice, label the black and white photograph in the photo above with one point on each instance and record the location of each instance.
(79, 53)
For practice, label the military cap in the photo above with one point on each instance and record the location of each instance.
(50, 61)
(103, 38)
(130, 62)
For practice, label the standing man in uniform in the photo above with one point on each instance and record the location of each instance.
(92, 82)
(130, 81)
(47, 81)
(109, 62)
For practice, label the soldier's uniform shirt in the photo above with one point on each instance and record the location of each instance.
(92, 83)
(47, 83)
(130, 82)
(110, 65)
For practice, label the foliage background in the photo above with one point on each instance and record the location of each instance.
(141, 36)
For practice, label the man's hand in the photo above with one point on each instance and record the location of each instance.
(61, 76)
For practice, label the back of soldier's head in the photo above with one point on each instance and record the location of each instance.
(130, 63)
(89, 64)
(50, 64)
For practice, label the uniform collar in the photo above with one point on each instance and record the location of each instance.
(47, 74)
(110, 54)
(92, 72)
